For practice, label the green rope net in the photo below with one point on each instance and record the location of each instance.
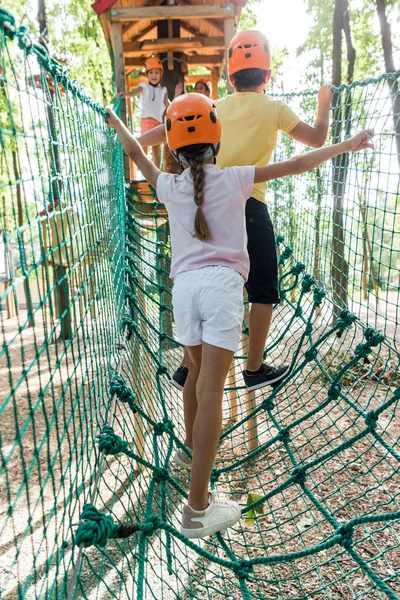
(90, 501)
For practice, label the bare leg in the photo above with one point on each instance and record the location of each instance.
(215, 363)
(156, 155)
(259, 324)
(189, 394)
(186, 362)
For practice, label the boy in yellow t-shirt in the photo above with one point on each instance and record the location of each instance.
(250, 123)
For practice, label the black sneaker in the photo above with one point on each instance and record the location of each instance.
(179, 377)
(268, 376)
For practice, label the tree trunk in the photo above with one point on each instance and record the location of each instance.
(60, 278)
(390, 68)
(339, 266)
(27, 289)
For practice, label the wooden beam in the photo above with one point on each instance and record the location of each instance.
(211, 22)
(214, 83)
(119, 69)
(198, 60)
(175, 44)
(126, 32)
(194, 11)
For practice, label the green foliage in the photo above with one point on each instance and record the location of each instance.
(259, 510)
(365, 34)
(75, 35)
(248, 19)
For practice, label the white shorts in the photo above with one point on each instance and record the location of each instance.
(208, 307)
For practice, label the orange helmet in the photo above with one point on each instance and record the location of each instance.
(204, 82)
(153, 63)
(192, 119)
(248, 50)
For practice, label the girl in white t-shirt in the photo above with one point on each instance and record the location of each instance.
(154, 101)
(209, 265)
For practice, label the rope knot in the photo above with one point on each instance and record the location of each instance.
(311, 354)
(298, 312)
(308, 329)
(279, 239)
(165, 426)
(267, 404)
(123, 391)
(307, 283)
(284, 435)
(96, 529)
(299, 475)
(242, 569)
(319, 295)
(160, 474)
(162, 370)
(334, 392)
(215, 475)
(109, 443)
(371, 420)
(346, 533)
(286, 253)
(345, 321)
(297, 268)
(150, 525)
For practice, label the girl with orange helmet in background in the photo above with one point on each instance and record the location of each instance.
(154, 100)
(209, 266)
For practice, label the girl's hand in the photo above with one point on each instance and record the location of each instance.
(112, 119)
(325, 94)
(121, 95)
(361, 140)
(178, 89)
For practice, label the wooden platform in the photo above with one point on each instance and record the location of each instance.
(145, 206)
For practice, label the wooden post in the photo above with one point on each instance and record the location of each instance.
(119, 68)
(132, 166)
(214, 83)
(229, 32)
(10, 300)
(250, 398)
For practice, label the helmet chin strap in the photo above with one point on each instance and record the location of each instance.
(211, 151)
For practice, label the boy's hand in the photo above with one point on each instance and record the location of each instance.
(112, 119)
(361, 140)
(325, 94)
(121, 95)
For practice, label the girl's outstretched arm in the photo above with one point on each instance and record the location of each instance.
(133, 148)
(310, 160)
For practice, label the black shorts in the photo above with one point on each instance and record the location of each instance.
(262, 284)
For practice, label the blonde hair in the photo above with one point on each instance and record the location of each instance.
(194, 156)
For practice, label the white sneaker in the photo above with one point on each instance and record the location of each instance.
(182, 459)
(218, 515)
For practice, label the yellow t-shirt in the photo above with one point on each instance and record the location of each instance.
(250, 123)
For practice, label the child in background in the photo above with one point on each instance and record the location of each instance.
(250, 123)
(202, 87)
(209, 265)
(154, 101)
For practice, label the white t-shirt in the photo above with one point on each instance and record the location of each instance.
(152, 100)
(225, 194)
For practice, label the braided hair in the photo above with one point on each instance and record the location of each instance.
(194, 156)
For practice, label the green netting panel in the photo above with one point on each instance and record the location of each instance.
(90, 500)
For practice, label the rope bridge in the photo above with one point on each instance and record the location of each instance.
(90, 501)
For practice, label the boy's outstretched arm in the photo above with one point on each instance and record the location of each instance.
(133, 148)
(154, 137)
(310, 160)
(315, 135)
